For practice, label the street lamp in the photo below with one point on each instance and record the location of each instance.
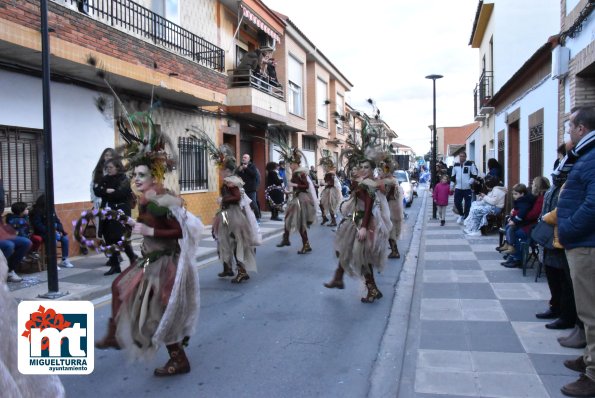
(433, 162)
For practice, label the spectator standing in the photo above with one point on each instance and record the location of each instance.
(314, 177)
(462, 176)
(494, 169)
(99, 172)
(38, 222)
(282, 173)
(248, 172)
(115, 193)
(275, 190)
(576, 217)
(440, 196)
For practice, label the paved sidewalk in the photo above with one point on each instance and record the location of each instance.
(472, 327)
(86, 280)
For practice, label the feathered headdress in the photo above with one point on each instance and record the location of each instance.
(222, 155)
(287, 153)
(144, 142)
(361, 147)
(387, 163)
(326, 160)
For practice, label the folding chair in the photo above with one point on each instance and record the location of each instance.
(530, 253)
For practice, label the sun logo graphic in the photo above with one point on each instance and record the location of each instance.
(56, 337)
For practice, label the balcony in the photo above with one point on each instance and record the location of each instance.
(255, 96)
(139, 21)
(482, 95)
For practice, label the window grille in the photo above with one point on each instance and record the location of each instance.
(193, 164)
(20, 163)
(501, 149)
(535, 151)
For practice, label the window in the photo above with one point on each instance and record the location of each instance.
(295, 77)
(240, 52)
(340, 109)
(308, 143)
(193, 164)
(20, 163)
(169, 9)
(321, 103)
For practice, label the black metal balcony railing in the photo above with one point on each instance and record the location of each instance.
(134, 18)
(247, 78)
(483, 91)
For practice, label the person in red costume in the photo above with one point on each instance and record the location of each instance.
(301, 209)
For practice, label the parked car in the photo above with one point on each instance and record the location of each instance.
(404, 181)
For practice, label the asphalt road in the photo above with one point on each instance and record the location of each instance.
(280, 334)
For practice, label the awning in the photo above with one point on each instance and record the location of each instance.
(259, 23)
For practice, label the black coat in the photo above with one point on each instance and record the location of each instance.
(250, 176)
(121, 198)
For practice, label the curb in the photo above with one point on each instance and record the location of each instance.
(385, 378)
(102, 292)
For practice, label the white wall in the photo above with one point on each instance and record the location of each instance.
(543, 96)
(521, 28)
(79, 130)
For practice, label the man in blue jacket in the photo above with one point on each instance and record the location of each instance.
(576, 218)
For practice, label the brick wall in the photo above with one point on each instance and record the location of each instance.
(82, 30)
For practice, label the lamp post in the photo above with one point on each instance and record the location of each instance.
(433, 162)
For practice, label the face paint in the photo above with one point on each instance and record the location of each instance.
(365, 169)
(143, 181)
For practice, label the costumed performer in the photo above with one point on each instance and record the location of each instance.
(394, 195)
(361, 238)
(12, 382)
(156, 300)
(331, 195)
(234, 227)
(301, 209)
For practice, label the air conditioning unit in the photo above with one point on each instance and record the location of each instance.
(560, 60)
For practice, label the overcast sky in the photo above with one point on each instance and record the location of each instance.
(385, 48)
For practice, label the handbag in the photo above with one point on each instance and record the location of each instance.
(543, 234)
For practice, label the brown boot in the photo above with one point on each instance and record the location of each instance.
(227, 271)
(324, 217)
(578, 364)
(337, 281)
(109, 341)
(394, 250)
(373, 292)
(305, 248)
(177, 363)
(241, 276)
(583, 387)
(333, 220)
(285, 241)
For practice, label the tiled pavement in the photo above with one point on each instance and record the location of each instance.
(477, 334)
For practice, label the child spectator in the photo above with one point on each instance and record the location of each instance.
(519, 227)
(440, 196)
(521, 205)
(19, 220)
(38, 222)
